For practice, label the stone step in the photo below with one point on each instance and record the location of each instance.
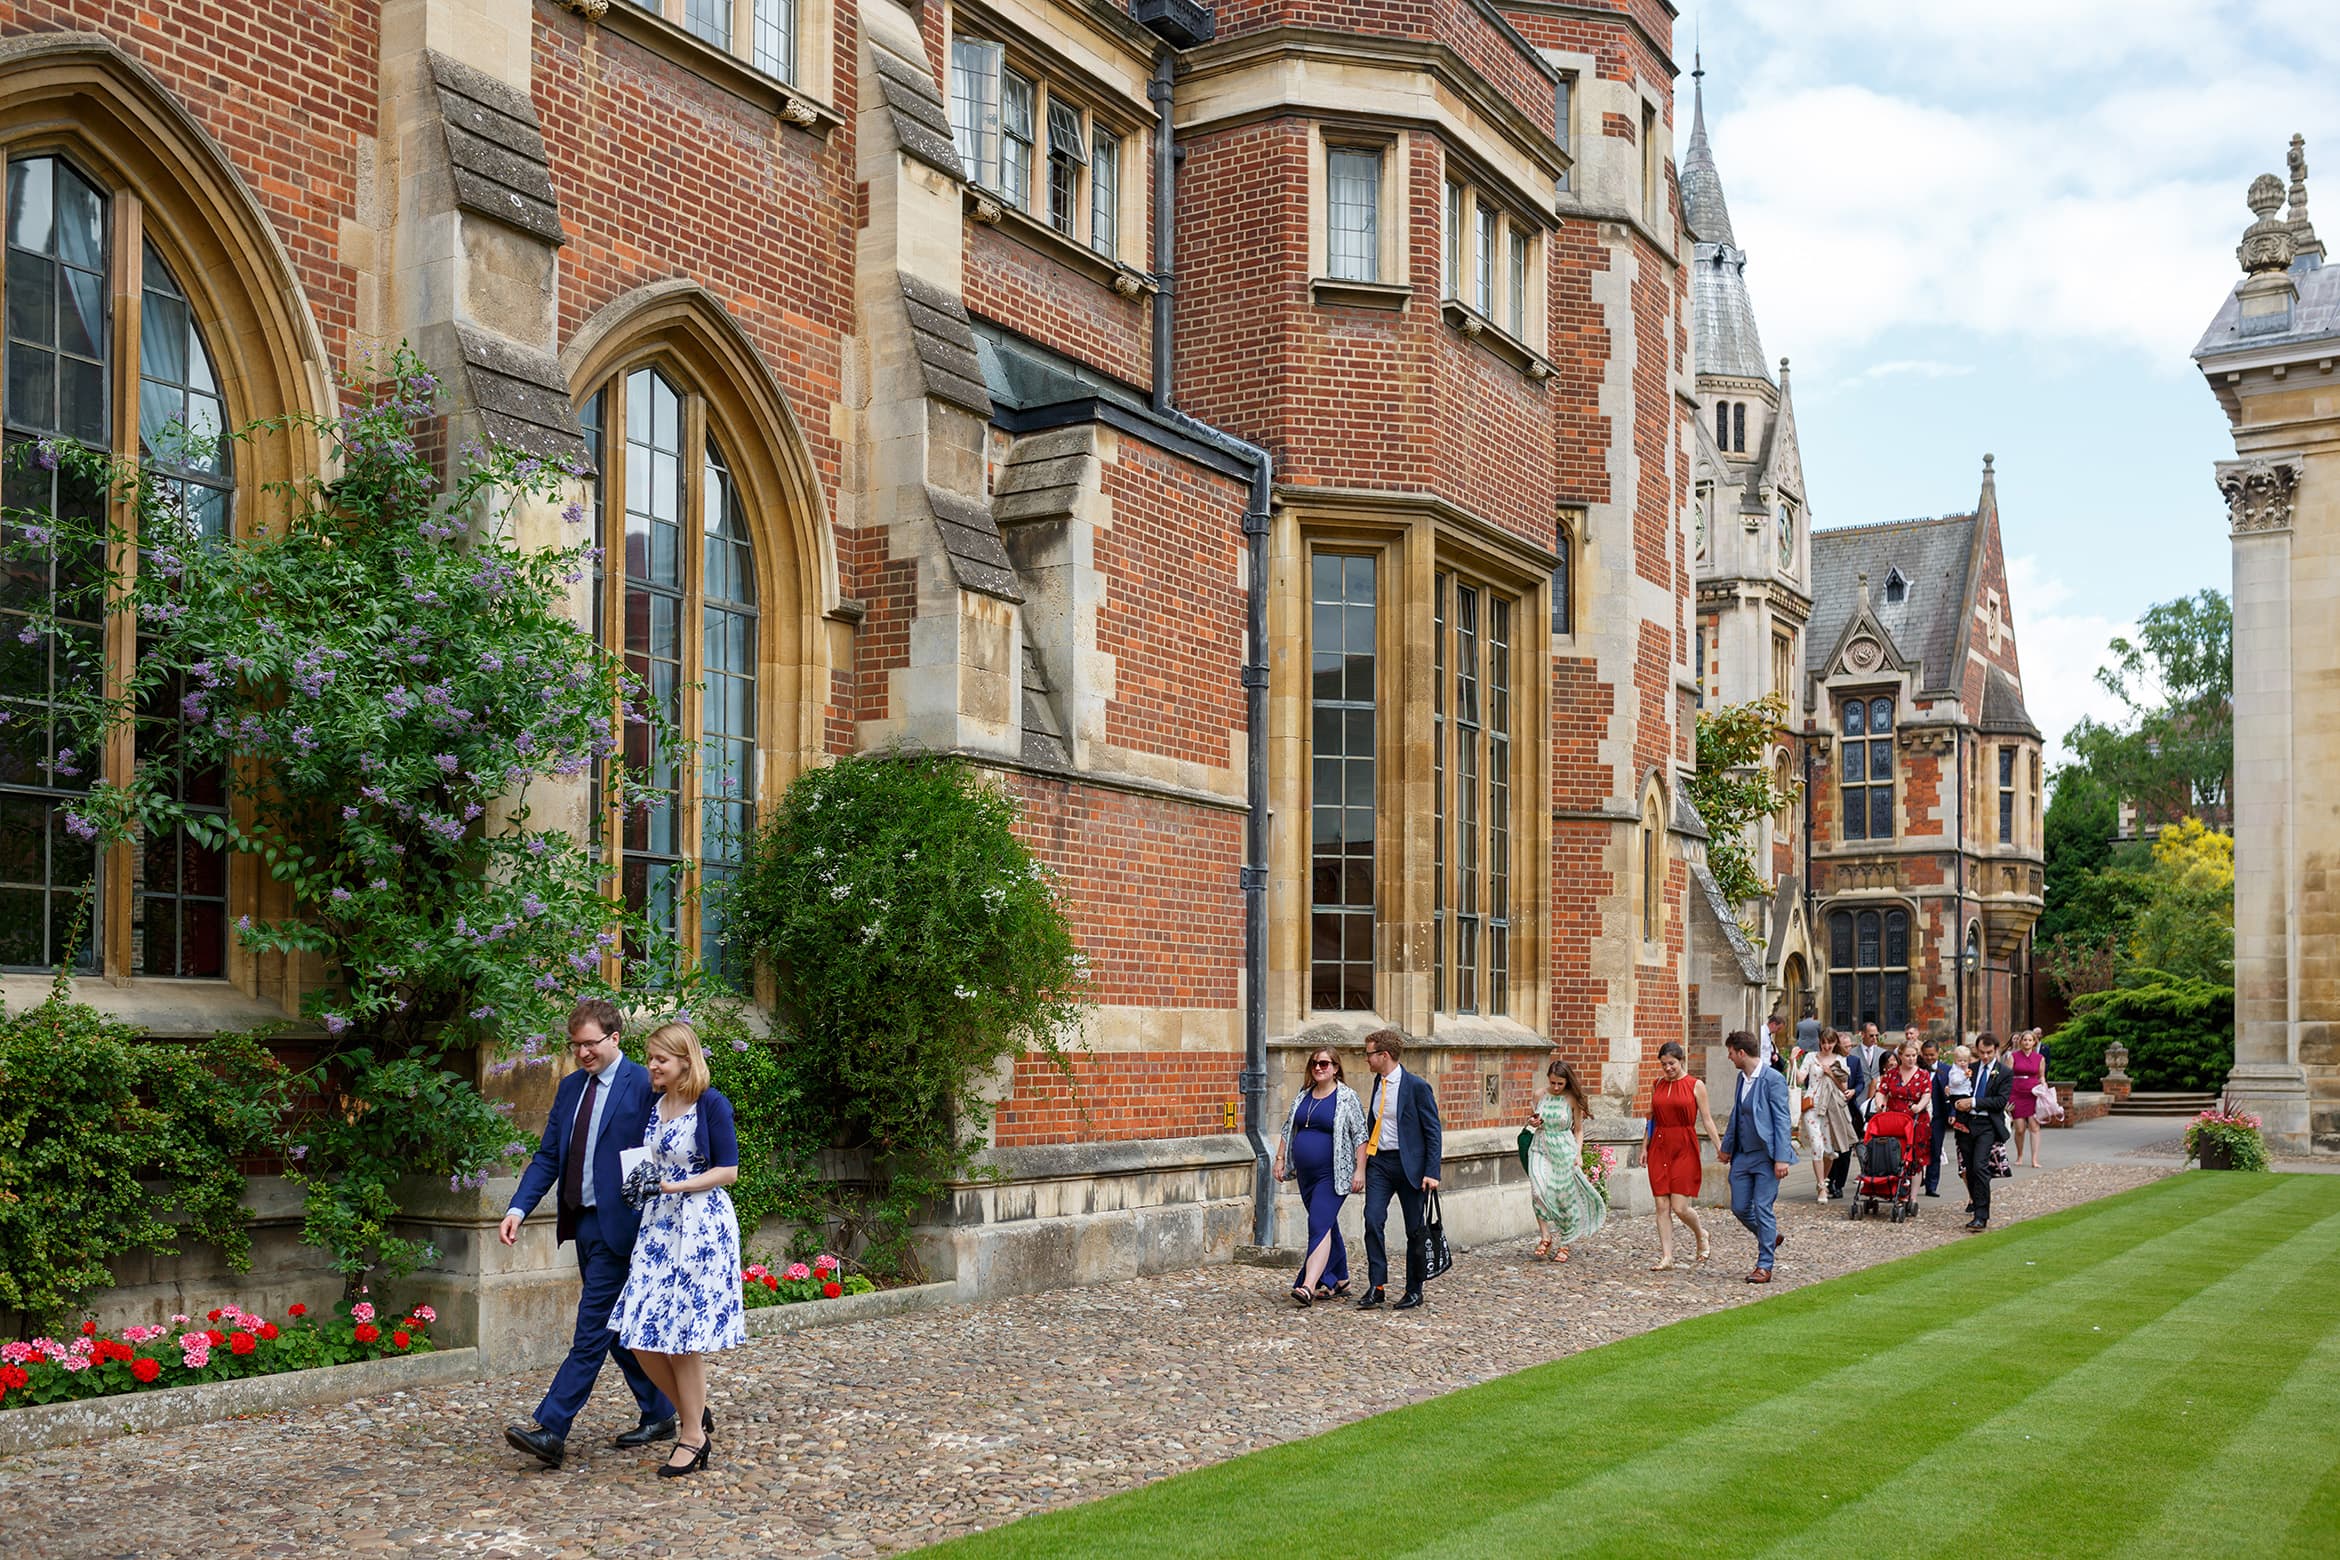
(2168, 1103)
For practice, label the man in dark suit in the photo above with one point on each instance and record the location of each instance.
(599, 1109)
(1757, 1147)
(1403, 1142)
(1939, 1067)
(1982, 1125)
(1861, 1061)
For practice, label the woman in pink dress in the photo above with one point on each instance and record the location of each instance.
(2029, 1067)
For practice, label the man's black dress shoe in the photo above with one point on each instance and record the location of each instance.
(1974, 1224)
(543, 1445)
(1370, 1300)
(646, 1432)
(1408, 1300)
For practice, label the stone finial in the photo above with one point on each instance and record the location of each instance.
(2267, 243)
(2303, 232)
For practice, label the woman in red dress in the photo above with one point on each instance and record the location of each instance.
(1677, 1109)
(1906, 1086)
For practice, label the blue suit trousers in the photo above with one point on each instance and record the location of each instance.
(1754, 1188)
(602, 1267)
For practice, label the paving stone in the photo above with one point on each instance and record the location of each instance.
(875, 1437)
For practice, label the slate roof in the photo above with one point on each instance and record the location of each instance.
(2003, 707)
(1722, 316)
(1932, 556)
(2315, 314)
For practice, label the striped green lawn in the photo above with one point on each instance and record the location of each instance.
(2154, 1374)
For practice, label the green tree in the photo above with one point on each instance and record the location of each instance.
(2186, 928)
(2172, 753)
(1733, 788)
(384, 675)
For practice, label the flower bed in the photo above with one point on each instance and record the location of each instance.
(824, 1279)
(226, 1344)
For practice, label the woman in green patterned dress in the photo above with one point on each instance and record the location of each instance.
(1568, 1206)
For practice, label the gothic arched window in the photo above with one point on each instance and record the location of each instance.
(677, 598)
(93, 305)
(1868, 975)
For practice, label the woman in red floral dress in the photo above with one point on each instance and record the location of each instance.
(1905, 1086)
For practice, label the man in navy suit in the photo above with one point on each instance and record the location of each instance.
(599, 1109)
(1981, 1122)
(1939, 1066)
(1757, 1147)
(1402, 1146)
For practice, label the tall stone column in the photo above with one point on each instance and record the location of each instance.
(2267, 1079)
(2270, 357)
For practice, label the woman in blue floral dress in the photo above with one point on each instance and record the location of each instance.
(681, 1301)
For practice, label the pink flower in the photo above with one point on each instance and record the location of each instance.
(363, 1311)
(180, 1319)
(797, 1272)
(194, 1350)
(423, 1313)
(14, 1353)
(75, 1362)
(824, 1263)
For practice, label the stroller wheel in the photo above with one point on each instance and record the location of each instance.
(1852, 1206)
(1897, 1213)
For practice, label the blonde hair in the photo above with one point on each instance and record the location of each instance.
(681, 1041)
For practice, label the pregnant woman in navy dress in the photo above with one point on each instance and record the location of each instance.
(1324, 1146)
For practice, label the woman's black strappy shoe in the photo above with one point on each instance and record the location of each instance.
(1302, 1298)
(697, 1464)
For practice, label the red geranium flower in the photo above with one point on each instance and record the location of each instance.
(12, 1376)
(242, 1343)
(215, 1335)
(831, 1291)
(267, 1329)
(145, 1370)
(211, 1316)
(399, 1339)
(296, 1310)
(367, 1332)
(35, 1357)
(89, 1329)
(770, 1282)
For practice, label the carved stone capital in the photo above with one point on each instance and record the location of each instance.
(591, 10)
(987, 210)
(2259, 491)
(796, 110)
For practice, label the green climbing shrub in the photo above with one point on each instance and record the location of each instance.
(109, 1145)
(915, 946)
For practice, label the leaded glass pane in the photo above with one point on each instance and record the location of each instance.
(1341, 802)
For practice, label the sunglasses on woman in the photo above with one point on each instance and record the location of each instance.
(1319, 1062)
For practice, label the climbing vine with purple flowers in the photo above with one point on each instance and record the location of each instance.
(414, 731)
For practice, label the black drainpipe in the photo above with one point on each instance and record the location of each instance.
(1181, 26)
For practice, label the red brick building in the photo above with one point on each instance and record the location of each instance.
(1262, 440)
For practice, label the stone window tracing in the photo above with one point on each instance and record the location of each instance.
(1344, 611)
(681, 606)
(84, 292)
(1491, 260)
(1471, 794)
(764, 32)
(1868, 980)
(1865, 768)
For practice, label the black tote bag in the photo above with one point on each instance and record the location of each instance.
(1437, 1255)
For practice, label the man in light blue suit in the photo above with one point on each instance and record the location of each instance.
(1757, 1147)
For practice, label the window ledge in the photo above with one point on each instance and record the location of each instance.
(1332, 292)
(156, 1007)
(1477, 327)
(718, 66)
(995, 210)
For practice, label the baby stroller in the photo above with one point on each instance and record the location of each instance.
(1889, 1164)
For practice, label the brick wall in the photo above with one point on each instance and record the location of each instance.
(1172, 617)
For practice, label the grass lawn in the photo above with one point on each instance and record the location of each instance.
(2154, 1374)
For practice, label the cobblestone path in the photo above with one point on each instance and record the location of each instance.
(884, 1435)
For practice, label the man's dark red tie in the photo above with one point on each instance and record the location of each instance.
(573, 1163)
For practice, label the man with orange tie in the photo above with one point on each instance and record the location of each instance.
(1402, 1145)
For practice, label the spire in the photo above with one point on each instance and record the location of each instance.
(1702, 193)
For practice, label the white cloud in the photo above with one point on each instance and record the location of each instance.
(1909, 368)
(2060, 650)
(1994, 167)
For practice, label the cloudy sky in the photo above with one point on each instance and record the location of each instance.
(2000, 226)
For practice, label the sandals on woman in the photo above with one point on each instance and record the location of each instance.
(1662, 1265)
(1544, 1247)
(1303, 1298)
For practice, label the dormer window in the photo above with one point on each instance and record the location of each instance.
(1896, 588)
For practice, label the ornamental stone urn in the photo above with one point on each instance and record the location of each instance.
(2116, 1071)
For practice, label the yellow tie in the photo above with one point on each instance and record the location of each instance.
(1380, 1114)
